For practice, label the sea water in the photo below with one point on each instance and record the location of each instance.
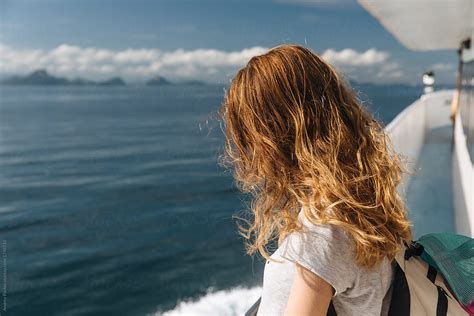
(112, 201)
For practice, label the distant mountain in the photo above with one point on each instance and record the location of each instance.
(116, 81)
(162, 81)
(192, 83)
(39, 77)
(158, 81)
(42, 78)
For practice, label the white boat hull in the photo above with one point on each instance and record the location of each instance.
(438, 188)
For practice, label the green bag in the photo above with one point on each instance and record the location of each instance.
(453, 256)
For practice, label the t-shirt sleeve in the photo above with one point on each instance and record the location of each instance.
(324, 250)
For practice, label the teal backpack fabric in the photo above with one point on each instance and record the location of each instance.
(452, 255)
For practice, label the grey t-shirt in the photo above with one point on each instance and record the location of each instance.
(326, 251)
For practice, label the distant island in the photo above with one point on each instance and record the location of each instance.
(116, 81)
(42, 78)
(162, 81)
(158, 81)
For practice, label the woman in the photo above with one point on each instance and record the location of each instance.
(324, 182)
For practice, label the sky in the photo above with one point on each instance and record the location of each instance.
(206, 40)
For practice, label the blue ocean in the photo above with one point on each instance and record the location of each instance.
(112, 201)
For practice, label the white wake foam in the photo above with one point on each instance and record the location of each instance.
(233, 302)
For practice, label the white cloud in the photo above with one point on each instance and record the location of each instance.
(350, 57)
(372, 65)
(132, 64)
(210, 65)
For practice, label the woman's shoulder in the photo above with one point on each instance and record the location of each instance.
(328, 251)
(332, 236)
(323, 249)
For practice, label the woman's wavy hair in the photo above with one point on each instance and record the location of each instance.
(298, 138)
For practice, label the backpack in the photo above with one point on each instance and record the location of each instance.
(434, 276)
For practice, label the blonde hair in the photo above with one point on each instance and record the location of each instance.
(297, 137)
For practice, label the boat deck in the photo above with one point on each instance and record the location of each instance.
(429, 195)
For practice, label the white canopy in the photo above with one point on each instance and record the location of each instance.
(425, 24)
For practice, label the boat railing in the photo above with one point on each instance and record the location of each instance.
(408, 129)
(463, 180)
(466, 104)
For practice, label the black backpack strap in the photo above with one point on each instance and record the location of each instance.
(432, 273)
(442, 305)
(331, 310)
(400, 301)
(254, 309)
(415, 249)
